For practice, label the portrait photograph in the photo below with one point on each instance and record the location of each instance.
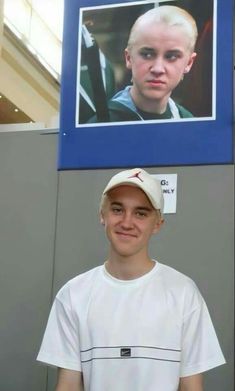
(146, 61)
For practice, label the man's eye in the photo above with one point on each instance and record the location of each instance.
(117, 210)
(172, 56)
(146, 54)
(141, 214)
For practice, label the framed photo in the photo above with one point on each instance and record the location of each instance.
(141, 96)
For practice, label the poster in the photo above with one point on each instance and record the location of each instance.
(98, 64)
(169, 189)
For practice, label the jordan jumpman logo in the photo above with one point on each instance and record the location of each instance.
(136, 175)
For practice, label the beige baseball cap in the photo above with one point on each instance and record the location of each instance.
(142, 179)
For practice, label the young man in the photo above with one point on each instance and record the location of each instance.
(160, 51)
(132, 324)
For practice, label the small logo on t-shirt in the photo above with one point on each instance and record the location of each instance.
(125, 352)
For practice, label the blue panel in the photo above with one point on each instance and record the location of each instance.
(186, 142)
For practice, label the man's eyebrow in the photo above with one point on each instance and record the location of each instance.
(144, 208)
(174, 51)
(147, 48)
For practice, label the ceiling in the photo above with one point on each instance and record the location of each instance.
(10, 114)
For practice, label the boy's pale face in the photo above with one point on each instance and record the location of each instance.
(130, 220)
(158, 59)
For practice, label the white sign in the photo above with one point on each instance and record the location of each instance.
(169, 187)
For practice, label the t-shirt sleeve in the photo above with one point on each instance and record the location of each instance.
(60, 346)
(200, 347)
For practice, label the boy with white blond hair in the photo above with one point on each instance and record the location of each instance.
(132, 324)
(160, 51)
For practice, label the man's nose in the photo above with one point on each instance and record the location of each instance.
(127, 220)
(158, 65)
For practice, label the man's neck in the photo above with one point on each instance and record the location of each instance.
(128, 268)
(157, 106)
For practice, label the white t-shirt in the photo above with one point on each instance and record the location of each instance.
(133, 335)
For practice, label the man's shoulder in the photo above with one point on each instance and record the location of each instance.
(181, 287)
(121, 108)
(85, 277)
(119, 112)
(184, 113)
(176, 279)
(80, 283)
(171, 272)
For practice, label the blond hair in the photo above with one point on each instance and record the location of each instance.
(171, 16)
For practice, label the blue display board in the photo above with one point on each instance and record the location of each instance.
(206, 91)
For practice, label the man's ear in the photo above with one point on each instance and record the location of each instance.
(128, 59)
(159, 223)
(190, 62)
(102, 218)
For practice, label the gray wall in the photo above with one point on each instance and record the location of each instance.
(28, 190)
(49, 232)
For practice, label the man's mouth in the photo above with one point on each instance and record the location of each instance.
(155, 82)
(125, 234)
